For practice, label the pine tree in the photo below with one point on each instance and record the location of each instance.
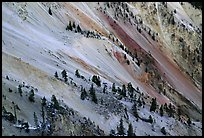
(64, 75)
(112, 132)
(161, 110)
(189, 121)
(50, 12)
(123, 90)
(130, 130)
(74, 25)
(31, 97)
(70, 26)
(121, 129)
(56, 75)
(171, 110)
(43, 101)
(83, 94)
(55, 102)
(150, 119)
(163, 130)
(20, 90)
(130, 89)
(78, 28)
(134, 110)
(77, 73)
(113, 88)
(93, 95)
(35, 119)
(104, 89)
(153, 105)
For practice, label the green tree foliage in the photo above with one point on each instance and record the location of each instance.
(130, 130)
(55, 102)
(93, 95)
(96, 80)
(77, 73)
(153, 105)
(56, 75)
(121, 129)
(83, 94)
(31, 96)
(113, 88)
(20, 90)
(161, 110)
(64, 75)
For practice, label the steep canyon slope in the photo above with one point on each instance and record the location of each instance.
(146, 49)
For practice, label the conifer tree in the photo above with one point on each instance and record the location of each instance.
(31, 97)
(121, 128)
(56, 75)
(64, 75)
(153, 105)
(93, 95)
(43, 102)
(123, 90)
(161, 110)
(83, 94)
(113, 88)
(78, 28)
(77, 73)
(20, 90)
(55, 102)
(130, 130)
(35, 119)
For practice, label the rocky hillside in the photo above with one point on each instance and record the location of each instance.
(101, 68)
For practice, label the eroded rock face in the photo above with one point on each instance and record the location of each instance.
(155, 46)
